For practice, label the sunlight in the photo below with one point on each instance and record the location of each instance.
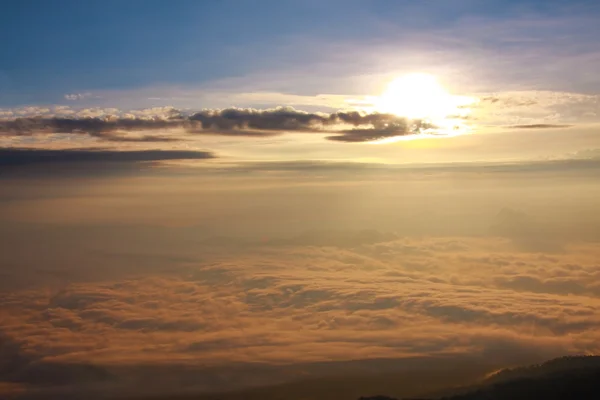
(420, 96)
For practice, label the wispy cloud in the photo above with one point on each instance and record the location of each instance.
(77, 96)
(540, 126)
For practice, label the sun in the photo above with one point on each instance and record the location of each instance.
(421, 99)
(419, 96)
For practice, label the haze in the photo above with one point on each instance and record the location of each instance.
(197, 197)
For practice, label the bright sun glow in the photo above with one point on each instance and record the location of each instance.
(419, 96)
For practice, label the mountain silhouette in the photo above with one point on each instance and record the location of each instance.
(565, 378)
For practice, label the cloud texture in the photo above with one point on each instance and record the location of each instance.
(384, 297)
(345, 126)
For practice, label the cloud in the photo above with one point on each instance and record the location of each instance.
(540, 126)
(12, 356)
(302, 302)
(347, 126)
(403, 127)
(269, 291)
(535, 109)
(559, 285)
(77, 96)
(10, 157)
(91, 125)
(517, 110)
(111, 137)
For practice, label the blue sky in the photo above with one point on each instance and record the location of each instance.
(70, 46)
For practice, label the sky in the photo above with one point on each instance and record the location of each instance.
(274, 191)
(517, 65)
(114, 47)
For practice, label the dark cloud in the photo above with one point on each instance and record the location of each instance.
(12, 357)
(111, 137)
(107, 129)
(279, 119)
(365, 127)
(490, 99)
(348, 126)
(94, 126)
(539, 126)
(402, 128)
(27, 156)
(557, 285)
(57, 373)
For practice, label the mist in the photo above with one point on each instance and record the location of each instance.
(108, 277)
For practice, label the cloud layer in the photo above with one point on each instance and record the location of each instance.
(345, 126)
(23, 157)
(385, 297)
